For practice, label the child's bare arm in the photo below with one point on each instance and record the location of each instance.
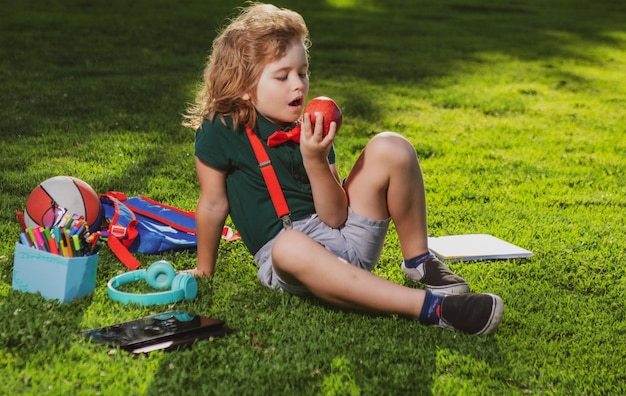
(331, 201)
(211, 213)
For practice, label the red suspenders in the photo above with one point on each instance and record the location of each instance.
(273, 186)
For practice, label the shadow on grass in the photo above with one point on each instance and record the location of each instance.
(86, 61)
(100, 71)
(287, 345)
(32, 324)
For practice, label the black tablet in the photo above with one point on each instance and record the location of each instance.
(165, 331)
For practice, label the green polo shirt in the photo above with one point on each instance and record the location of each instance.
(251, 208)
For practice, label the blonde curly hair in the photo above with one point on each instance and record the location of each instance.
(260, 35)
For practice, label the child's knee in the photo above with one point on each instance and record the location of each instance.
(287, 256)
(285, 249)
(392, 148)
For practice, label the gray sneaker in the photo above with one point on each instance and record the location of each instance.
(437, 277)
(477, 314)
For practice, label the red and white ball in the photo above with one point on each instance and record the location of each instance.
(70, 193)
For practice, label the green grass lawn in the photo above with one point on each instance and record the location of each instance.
(516, 110)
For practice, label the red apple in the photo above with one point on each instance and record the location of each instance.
(329, 110)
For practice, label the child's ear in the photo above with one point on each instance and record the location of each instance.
(245, 96)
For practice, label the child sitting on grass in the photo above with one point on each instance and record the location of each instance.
(256, 81)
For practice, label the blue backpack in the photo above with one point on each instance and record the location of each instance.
(142, 225)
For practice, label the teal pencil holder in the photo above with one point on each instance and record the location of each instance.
(54, 276)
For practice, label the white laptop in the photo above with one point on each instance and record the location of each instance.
(472, 247)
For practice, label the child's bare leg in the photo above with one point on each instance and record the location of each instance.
(387, 182)
(298, 259)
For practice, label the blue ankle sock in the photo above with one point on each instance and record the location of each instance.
(416, 261)
(429, 314)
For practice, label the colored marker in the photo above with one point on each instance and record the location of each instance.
(39, 241)
(20, 219)
(24, 239)
(65, 219)
(77, 229)
(52, 245)
(56, 231)
(68, 244)
(76, 245)
(44, 237)
(82, 229)
(94, 238)
(46, 233)
(95, 248)
(31, 236)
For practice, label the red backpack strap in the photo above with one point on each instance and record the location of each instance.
(122, 237)
(122, 253)
(271, 180)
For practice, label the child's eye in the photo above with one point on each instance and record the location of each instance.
(303, 75)
(282, 78)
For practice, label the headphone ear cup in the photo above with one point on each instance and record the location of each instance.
(188, 284)
(160, 275)
(184, 316)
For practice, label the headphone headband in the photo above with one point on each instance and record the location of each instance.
(160, 275)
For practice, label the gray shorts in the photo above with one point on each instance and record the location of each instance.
(358, 241)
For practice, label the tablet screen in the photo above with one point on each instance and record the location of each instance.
(168, 329)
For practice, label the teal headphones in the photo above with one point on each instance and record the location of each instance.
(160, 275)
